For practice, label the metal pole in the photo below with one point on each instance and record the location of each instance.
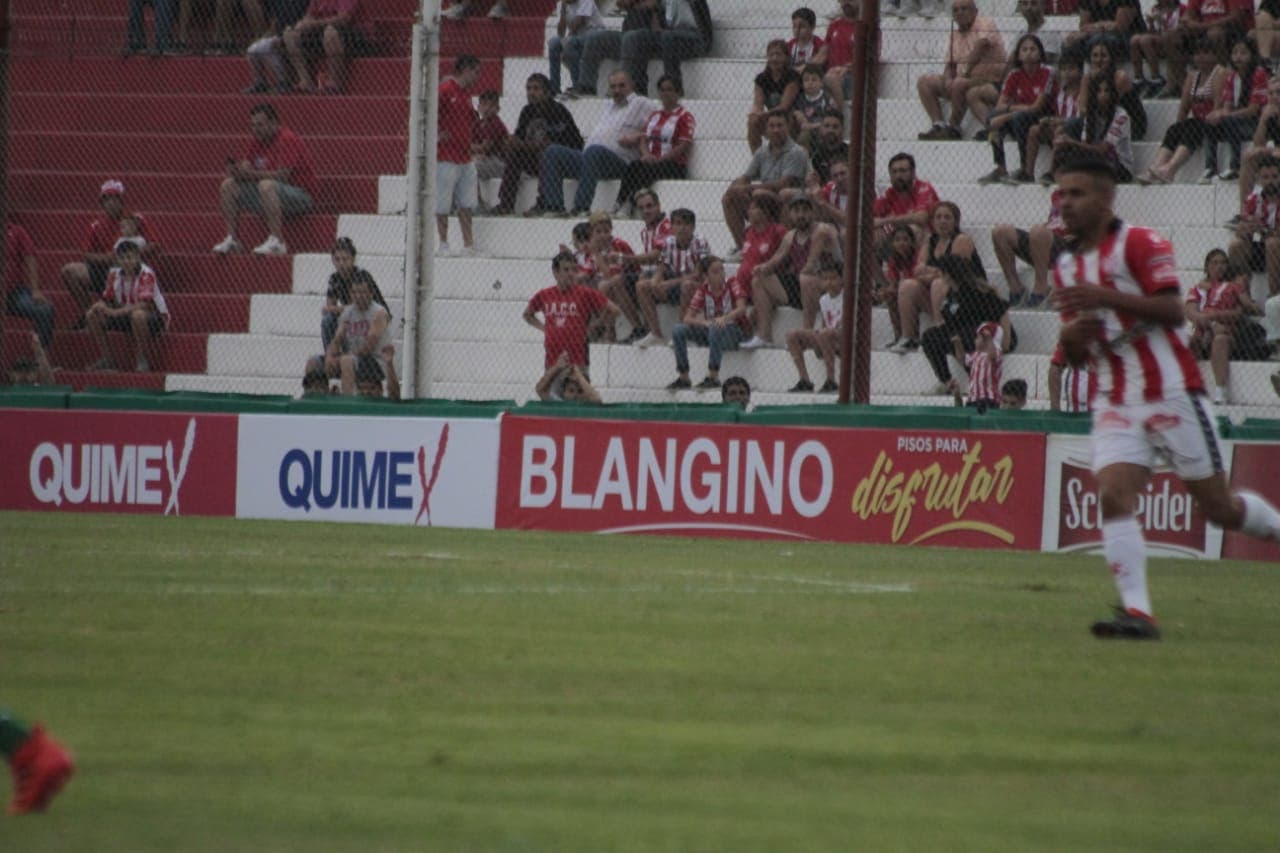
(855, 360)
(419, 275)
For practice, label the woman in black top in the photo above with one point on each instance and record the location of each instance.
(776, 89)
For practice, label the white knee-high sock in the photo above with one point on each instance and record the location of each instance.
(1126, 554)
(1261, 520)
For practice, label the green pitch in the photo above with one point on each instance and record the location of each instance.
(270, 686)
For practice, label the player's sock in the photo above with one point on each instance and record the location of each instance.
(1127, 556)
(1260, 518)
(13, 733)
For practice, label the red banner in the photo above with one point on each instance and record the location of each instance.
(1170, 518)
(81, 461)
(1253, 467)
(969, 489)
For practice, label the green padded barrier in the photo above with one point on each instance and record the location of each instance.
(865, 417)
(428, 408)
(717, 413)
(34, 396)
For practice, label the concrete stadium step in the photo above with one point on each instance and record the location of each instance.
(266, 355)
(189, 232)
(297, 315)
(75, 350)
(311, 271)
(197, 272)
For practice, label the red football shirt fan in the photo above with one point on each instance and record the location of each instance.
(566, 314)
(285, 151)
(758, 247)
(922, 196)
(1021, 88)
(840, 42)
(667, 129)
(457, 117)
(713, 305)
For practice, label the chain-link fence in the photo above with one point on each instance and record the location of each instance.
(165, 126)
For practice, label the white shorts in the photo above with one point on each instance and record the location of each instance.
(1181, 429)
(457, 186)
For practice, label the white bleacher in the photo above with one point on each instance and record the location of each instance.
(482, 349)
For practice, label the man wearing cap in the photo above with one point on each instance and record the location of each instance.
(22, 279)
(275, 178)
(87, 278)
(132, 303)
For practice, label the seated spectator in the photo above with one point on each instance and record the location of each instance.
(576, 20)
(975, 59)
(907, 200)
(675, 277)
(335, 29)
(1200, 91)
(570, 311)
(457, 179)
(1267, 25)
(606, 43)
(1039, 247)
(369, 376)
(166, 12)
(1032, 11)
(275, 178)
(825, 341)
(581, 251)
(839, 46)
(665, 150)
(338, 295)
(762, 237)
(775, 166)
(315, 383)
(717, 318)
(364, 329)
(790, 276)
(1219, 308)
(565, 382)
(613, 145)
(86, 279)
(543, 121)
(831, 200)
(31, 371)
(685, 33)
(811, 106)
(1102, 63)
(1256, 246)
(804, 47)
(1113, 22)
(1064, 105)
(23, 296)
(1013, 394)
(1265, 136)
(1220, 21)
(828, 147)
(1106, 130)
(1149, 47)
(488, 140)
(266, 53)
(897, 267)
(983, 365)
(1235, 117)
(656, 228)
(776, 88)
(131, 303)
(606, 269)
(1024, 100)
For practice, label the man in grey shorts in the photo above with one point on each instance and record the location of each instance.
(275, 178)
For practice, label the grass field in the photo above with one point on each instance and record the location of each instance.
(272, 686)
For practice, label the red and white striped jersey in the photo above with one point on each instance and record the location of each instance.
(667, 129)
(836, 196)
(802, 54)
(122, 290)
(1054, 223)
(1137, 361)
(653, 236)
(684, 260)
(590, 267)
(984, 376)
(1079, 384)
(1259, 207)
(1066, 104)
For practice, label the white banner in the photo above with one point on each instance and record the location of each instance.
(421, 471)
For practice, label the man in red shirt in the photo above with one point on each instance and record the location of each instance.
(275, 178)
(839, 43)
(336, 28)
(23, 297)
(86, 279)
(568, 311)
(457, 182)
(907, 201)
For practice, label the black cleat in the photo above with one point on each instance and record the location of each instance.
(1126, 626)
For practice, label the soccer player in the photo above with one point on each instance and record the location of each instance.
(40, 765)
(1121, 309)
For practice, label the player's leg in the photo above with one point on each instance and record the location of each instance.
(1125, 551)
(40, 765)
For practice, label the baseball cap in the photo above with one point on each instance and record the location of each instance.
(993, 330)
(111, 187)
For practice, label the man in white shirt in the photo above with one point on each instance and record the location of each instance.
(612, 146)
(577, 19)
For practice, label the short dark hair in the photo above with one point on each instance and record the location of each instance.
(266, 110)
(582, 231)
(538, 77)
(344, 244)
(734, 382)
(769, 204)
(812, 68)
(490, 95)
(835, 114)
(776, 113)
(902, 155)
(705, 263)
(560, 258)
(315, 376)
(1268, 162)
(684, 214)
(1071, 160)
(673, 80)
(800, 201)
(1015, 388)
(466, 62)
(805, 14)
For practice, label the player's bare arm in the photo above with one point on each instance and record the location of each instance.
(1166, 309)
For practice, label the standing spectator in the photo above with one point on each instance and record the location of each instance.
(717, 318)
(488, 140)
(543, 121)
(275, 178)
(338, 295)
(1063, 107)
(839, 45)
(1114, 22)
(668, 141)
(1107, 130)
(975, 58)
(1149, 47)
(131, 303)
(1199, 96)
(1039, 247)
(1256, 246)
(907, 200)
(569, 311)
(165, 13)
(1220, 21)
(607, 44)
(1219, 307)
(1240, 102)
(775, 166)
(23, 296)
(577, 19)
(675, 277)
(811, 105)
(266, 53)
(613, 145)
(776, 88)
(457, 181)
(364, 331)
(1024, 99)
(983, 366)
(335, 28)
(685, 33)
(790, 276)
(86, 279)
(826, 340)
(804, 47)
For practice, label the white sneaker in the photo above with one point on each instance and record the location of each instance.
(1219, 396)
(652, 340)
(1207, 176)
(443, 251)
(754, 342)
(499, 10)
(273, 245)
(228, 246)
(469, 252)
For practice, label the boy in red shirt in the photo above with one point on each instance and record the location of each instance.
(457, 181)
(568, 311)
